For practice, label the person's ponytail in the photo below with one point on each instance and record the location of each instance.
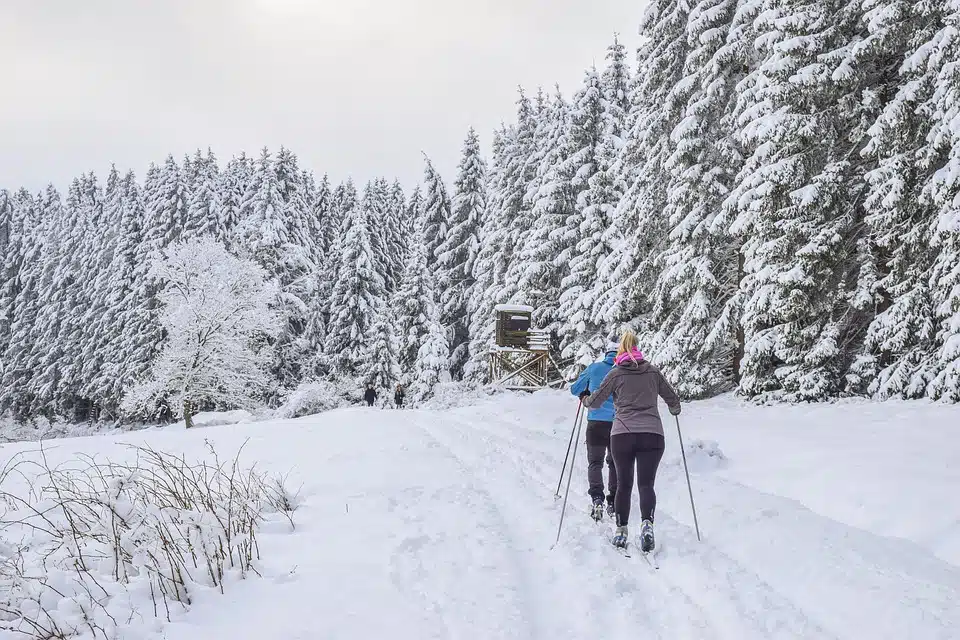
(628, 344)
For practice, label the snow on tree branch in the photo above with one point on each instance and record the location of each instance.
(218, 316)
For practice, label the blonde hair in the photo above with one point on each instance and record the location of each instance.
(628, 342)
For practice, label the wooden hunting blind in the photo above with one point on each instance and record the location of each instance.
(513, 325)
(521, 359)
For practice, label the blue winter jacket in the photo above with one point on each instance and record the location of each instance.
(590, 380)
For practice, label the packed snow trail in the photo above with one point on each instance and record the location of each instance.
(765, 558)
(439, 524)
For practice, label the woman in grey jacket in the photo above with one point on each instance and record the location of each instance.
(636, 439)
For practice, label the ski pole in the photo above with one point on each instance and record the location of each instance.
(685, 470)
(556, 495)
(569, 477)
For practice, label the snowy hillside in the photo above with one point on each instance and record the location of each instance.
(830, 521)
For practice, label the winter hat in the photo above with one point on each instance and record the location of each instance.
(613, 345)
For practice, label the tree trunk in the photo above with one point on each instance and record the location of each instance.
(188, 414)
(741, 339)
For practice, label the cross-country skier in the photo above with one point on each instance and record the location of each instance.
(370, 395)
(599, 424)
(398, 396)
(637, 434)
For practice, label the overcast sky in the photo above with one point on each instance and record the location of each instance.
(354, 87)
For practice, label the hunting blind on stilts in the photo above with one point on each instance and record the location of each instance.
(522, 358)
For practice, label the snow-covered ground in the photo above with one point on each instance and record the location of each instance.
(823, 521)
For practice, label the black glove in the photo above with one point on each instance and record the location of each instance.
(584, 394)
(676, 411)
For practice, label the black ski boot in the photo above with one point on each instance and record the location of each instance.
(596, 511)
(620, 538)
(647, 541)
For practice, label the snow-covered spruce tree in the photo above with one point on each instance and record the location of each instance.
(166, 201)
(513, 174)
(488, 272)
(394, 245)
(234, 182)
(343, 200)
(942, 190)
(60, 249)
(743, 58)
(273, 235)
(137, 334)
(592, 252)
(22, 273)
(589, 163)
(898, 348)
(547, 246)
(309, 218)
(616, 82)
(797, 211)
(522, 155)
(45, 350)
(626, 276)
(433, 356)
(204, 216)
(698, 262)
(327, 219)
(298, 276)
(324, 277)
(100, 316)
(458, 252)
(9, 268)
(413, 213)
(86, 198)
(375, 207)
(296, 195)
(381, 367)
(397, 229)
(218, 315)
(357, 298)
(436, 211)
(411, 303)
(321, 219)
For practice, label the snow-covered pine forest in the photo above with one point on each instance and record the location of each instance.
(768, 192)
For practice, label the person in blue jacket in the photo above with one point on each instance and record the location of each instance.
(599, 423)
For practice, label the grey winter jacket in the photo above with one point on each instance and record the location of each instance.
(635, 387)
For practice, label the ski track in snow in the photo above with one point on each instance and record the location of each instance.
(441, 524)
(726, 601)
(562, 581)
(812, 559)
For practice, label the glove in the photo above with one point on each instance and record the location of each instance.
(675, 412)
(584, 394)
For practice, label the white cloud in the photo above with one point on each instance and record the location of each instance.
(354, 87)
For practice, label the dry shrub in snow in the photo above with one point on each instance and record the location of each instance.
(93, 549)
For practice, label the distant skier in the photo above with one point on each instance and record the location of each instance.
(370, 395)
(599, 424)
(637, 434)
(398, 396)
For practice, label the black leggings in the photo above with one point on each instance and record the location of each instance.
(643, 451)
